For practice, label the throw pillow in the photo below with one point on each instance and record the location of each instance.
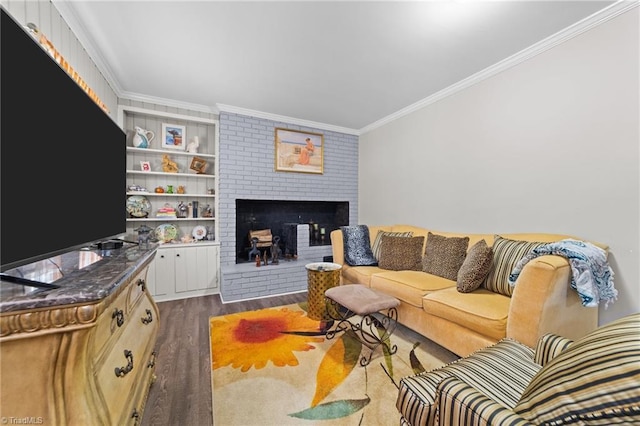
(475, 267)
(594, 381)
(506, 253)
(443, 256)
(376, 243)
(401, 253)
(357, 246)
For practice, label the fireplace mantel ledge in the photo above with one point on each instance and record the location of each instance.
(300, 262)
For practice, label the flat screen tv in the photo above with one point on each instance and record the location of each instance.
(62, 158)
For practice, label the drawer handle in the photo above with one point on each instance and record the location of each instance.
(142, 284)
(123, 371)
(152, 360)
(119, 315)
(148, 318)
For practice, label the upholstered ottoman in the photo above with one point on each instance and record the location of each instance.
(374, 309)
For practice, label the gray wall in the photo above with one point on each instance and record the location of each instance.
(550, 145)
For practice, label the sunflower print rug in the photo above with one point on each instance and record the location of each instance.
(275, 366)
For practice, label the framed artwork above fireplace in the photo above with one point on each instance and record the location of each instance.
(298, 151)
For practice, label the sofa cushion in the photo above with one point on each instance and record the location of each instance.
(357, 246)
(358, 274)
(408, 286)
(594, 381)
(375, 248)
(475, 267)
(506, 253)
(443, 256)
(401, 253)
(482, 311)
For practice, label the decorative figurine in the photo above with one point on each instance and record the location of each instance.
(193, 145)
(182, 210)
(207, 211)
(169, 166)
(181, 189)
(275, 249)
(257, 260)
(254, 249)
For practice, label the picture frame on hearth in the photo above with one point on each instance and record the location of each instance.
(299, 151)
(174, 136)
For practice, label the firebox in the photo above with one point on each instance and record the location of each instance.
(281, 218)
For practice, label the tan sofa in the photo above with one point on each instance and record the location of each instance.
(542, 300)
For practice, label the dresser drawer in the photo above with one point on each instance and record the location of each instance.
(138, 287)
(119, 371)
(115, 317)
(111, 322)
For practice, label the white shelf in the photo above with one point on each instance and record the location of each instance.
(200, 243)
(153, 113)
(188, 175)
(166, 151)
(169, 219)
(164, 194)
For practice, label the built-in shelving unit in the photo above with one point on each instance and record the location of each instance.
(187, 265)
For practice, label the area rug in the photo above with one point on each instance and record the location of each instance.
(276, 367)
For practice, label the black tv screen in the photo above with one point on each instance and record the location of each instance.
(62, 158)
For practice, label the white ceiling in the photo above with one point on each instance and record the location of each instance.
(347, 64)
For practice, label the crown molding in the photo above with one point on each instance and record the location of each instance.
(169, 102)
(550, 42)
(290, 120)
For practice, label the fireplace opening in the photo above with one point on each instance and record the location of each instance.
(282, 217)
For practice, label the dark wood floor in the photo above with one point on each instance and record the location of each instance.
(181, 394)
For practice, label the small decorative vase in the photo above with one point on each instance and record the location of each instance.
(142, 138)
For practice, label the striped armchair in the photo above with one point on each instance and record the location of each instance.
(592, 381)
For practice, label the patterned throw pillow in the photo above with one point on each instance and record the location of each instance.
(594, 381)
(401, 253)
(506, 253)
(357, 246)
(475, 267)
(376, 243)
(443, 256)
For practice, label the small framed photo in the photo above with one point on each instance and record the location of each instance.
(199, 165)
(174, 136)
(298, 151)
(145, 166)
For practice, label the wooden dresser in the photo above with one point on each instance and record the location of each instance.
(81, 354)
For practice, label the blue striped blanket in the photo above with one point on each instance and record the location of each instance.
(591, 275)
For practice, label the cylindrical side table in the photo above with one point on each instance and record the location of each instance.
(321, 276)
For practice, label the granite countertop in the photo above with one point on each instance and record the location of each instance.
(83, 276)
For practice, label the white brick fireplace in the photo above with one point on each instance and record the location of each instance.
(246, 171)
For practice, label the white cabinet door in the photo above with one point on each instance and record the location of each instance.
(185, 271)
(164, 271)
